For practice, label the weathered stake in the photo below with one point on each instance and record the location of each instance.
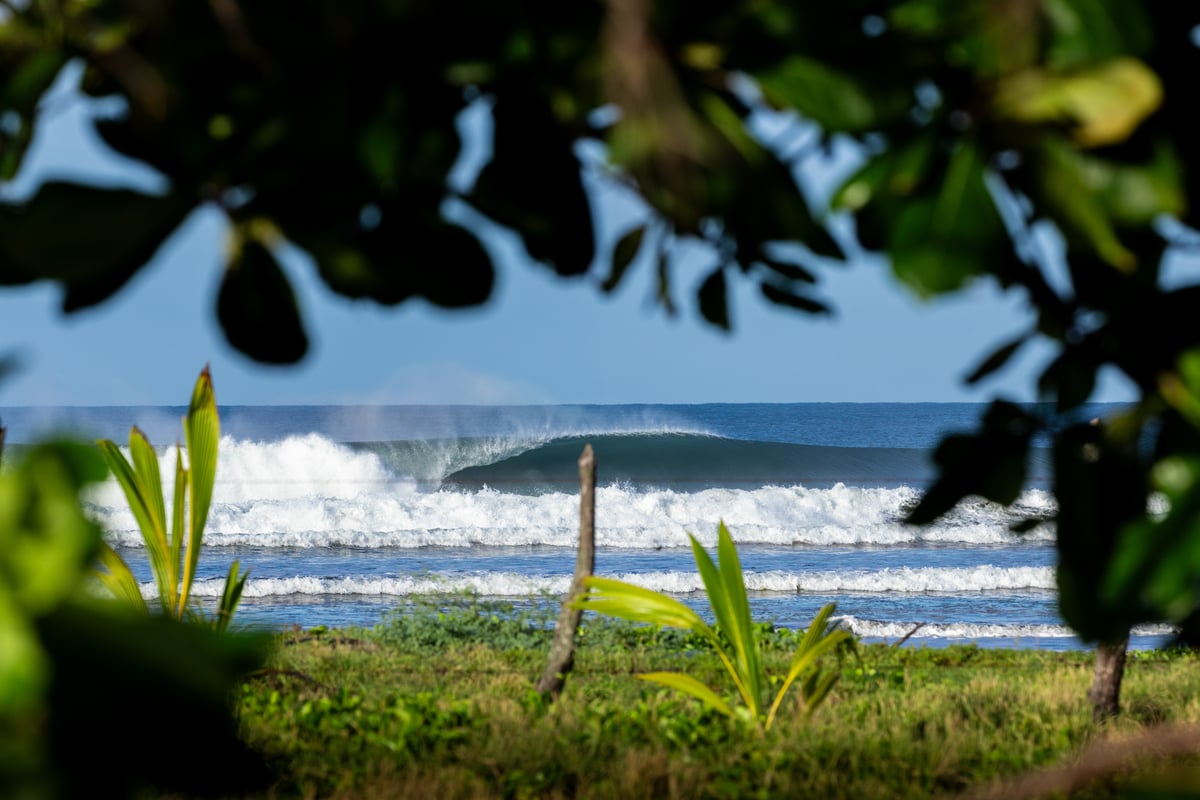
(3, 430)
(1105, 693)
(562, 650)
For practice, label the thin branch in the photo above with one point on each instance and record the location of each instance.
(908, 635)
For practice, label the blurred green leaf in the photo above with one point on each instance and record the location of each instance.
(789, 299)
(940, 241)
(88, 239)
(112, 667)
(449, 266)
(1070, 379)
(834, 99)
(714, 305)
(10, 364)
(1102, 104)
(45, 544)
(1134, 195)
(257, 308)
(1084, 32)
(885, 185)
(1100, 489)
(624, 252)
(663, 285)
(989, 463)
(25, 75)
(533, 183)
(999, 357)
(788, 270)
(1156, 561)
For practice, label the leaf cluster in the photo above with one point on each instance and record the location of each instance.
(901, 722)
(82, 678)
(738, 648)
(979, 127)
(173, 549)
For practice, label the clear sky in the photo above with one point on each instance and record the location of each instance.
(540, 339)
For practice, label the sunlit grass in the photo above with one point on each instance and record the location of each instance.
(372, 714)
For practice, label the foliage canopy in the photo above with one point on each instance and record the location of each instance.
(983, 126)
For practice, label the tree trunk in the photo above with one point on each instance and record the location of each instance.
(562, 650)
(1105, 693)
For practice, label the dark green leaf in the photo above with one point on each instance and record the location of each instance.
(1025, 525)
(23, 82)
(784, 297)
(990, 463)
(533, 183)
(1084, 32)
(9, 365)
(886, 185)
(835, 100)
(788, 270)
(663, 270)
(714, 305)
(940, 240)
(1156, 559)
(450, 267)
(113, 667)
(1069, 380)
(257, 308)
(1100, 489)
(88, 239)
(624, 252)
(1065, 191)
(997, 359)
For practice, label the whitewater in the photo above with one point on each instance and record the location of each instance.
(343, 514)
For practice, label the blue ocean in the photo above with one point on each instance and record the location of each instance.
(344, 513)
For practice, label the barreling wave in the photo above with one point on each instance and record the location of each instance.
(688, 461)
(310, 492)
(984, 579)
(313, 465)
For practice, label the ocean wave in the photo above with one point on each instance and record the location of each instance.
(511, 584)
(878, 629)
(626, 518)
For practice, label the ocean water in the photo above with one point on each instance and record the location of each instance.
(343, 512)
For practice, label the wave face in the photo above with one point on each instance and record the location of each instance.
(685, 461)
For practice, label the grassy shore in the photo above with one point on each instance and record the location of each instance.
(439, 703)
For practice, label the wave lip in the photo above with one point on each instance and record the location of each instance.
(687, 460)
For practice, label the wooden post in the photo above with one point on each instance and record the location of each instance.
(3, 430)
(562, 650)
(1105, 693)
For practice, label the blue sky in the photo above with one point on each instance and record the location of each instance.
(540, 339)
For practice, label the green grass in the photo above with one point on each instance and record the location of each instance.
(438, 702)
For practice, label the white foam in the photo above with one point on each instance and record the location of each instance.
(363, 512)
(875, 629)
(510, 584)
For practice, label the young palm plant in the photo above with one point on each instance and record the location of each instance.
(738, 649)
(174, 551)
